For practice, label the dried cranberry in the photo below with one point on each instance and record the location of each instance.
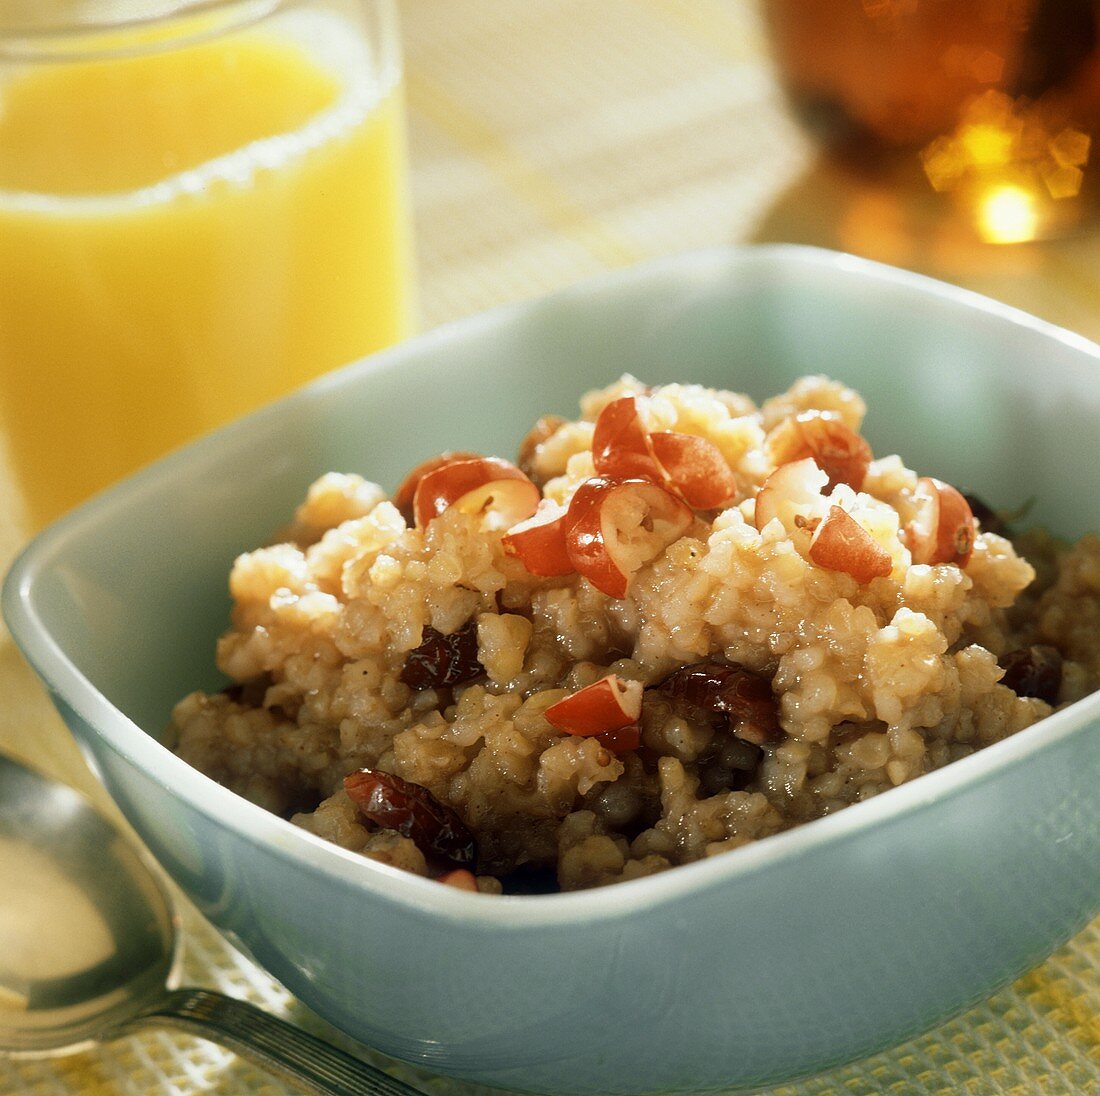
(1034, 671)
(728, 689)
(833, 445)
(443, 660)
(621, 739)
(988, 518)
(396, 804)
(404, 495)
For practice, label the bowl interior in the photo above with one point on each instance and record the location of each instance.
(132, 586)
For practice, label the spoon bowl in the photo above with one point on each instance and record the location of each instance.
(90, 939)
(89, 948)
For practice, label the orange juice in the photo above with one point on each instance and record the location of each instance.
(188, 233)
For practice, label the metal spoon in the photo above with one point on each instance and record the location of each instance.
(89, 949)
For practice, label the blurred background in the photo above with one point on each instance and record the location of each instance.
(555, 139)
(551, 140)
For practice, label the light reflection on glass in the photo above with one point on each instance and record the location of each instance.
(1007, 215)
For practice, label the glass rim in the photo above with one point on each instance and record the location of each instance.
(182, 22)
(181, 9)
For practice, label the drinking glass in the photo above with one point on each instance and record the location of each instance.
(202, 205)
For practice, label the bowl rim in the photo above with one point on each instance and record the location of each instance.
(307, 851)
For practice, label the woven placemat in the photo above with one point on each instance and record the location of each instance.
(552, 140)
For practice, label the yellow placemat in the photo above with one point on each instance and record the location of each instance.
(551, 140)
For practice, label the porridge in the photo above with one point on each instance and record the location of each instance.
(677, 625)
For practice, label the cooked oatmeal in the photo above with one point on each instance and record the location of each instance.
(676, 625)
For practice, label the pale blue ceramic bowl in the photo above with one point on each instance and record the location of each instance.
(797, 953)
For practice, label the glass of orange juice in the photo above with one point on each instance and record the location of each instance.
(202, 205)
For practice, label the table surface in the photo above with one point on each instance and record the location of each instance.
(551, 140)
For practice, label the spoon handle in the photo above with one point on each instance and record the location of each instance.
(285, 1050)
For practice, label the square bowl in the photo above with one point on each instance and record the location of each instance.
(791, 955)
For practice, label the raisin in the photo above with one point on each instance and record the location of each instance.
(988, 518)
(531, 879)
(1034, 671)
(443, 660)
(745, 698)
(731, 768)
(514, 841)
(411, 810)
(250, 694)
